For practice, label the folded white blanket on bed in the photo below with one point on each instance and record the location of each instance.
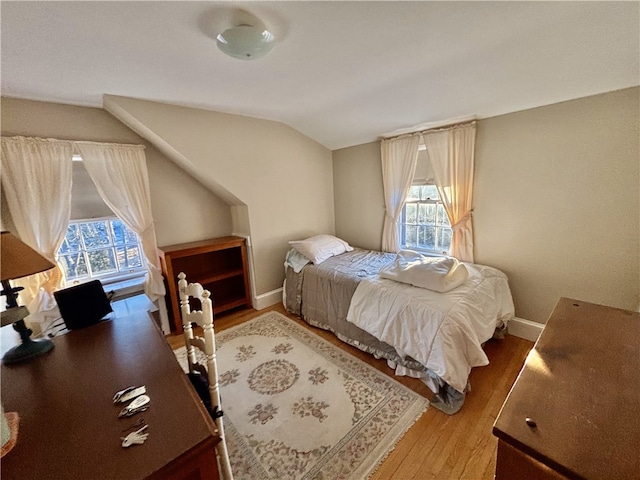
(439, 274)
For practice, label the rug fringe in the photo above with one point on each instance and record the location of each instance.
(403, 432)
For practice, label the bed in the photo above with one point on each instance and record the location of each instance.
(436, 337)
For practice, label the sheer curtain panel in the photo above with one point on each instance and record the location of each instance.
(451, 154)
(399, 158)
(36, 180)
(121, 178)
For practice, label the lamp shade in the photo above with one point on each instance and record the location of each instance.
(246, 42)
(18, 260)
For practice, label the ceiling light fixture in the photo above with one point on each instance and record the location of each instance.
(246, 42)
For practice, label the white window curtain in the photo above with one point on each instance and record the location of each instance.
(36, 180)
(121, 178)
(451, 154)
(399, 158)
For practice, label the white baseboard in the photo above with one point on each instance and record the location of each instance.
(267, 299)
(526, 329)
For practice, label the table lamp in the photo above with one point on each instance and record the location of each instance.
(18, 260)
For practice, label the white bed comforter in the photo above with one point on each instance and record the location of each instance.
(443, 331)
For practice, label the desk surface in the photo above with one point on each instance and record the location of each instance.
(69, 426)
(581, 385)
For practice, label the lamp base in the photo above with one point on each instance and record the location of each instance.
(27, 350)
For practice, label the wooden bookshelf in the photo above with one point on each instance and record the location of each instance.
(218, 264)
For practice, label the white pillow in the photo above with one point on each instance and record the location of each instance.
(319, 248)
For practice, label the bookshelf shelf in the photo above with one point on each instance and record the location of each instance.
(218, 264)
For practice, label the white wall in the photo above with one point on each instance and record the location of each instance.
(358, 194)
(556, 201)
(284, 179)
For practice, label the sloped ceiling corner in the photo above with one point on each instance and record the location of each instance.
(123, 109)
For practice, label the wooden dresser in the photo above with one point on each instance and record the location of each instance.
(218, 264)
(574, 410)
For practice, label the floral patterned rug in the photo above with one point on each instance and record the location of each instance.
(297, 407)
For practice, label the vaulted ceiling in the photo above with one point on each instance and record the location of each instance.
(342, 73)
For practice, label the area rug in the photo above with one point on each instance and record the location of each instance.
(297, 407)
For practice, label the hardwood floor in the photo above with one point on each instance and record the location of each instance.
(437, 446)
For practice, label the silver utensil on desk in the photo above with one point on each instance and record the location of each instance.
(129, 393)
(139, 404)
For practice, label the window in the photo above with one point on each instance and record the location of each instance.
(424, 223)
(100, 248)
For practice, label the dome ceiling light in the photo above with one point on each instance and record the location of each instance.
(246, 42)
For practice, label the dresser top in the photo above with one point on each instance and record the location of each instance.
(581, 387)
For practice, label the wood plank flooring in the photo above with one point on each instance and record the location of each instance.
(438, 446)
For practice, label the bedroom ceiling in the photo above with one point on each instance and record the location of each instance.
(342, 73)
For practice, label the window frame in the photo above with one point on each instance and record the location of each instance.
(126, 273)
(436, 225)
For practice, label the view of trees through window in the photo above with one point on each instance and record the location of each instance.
(424, 223)
(98, 248)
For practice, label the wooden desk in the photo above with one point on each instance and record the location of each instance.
(581, 386)
(69, 426)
